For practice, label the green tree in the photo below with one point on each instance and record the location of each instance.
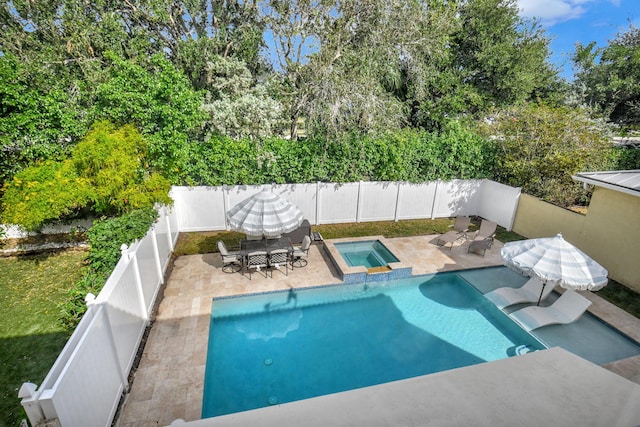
(38, 121)
(373, 66)
(160, 101)
(608, 78)
(193, 32)
(538, 151)
(494, 59)
(75, 34)
(343, 62)
(238, 106)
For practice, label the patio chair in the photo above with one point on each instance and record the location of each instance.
(487, 230)
(257, 260)
(566, 309)
(231, 261)
(460, 228)
(529, 292)
(483, 238)
(279, 258)
(480, 245)
(300, 253)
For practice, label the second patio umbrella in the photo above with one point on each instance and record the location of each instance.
(264, 214)
(555, 262)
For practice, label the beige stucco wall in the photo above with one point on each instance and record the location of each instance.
(609, 232)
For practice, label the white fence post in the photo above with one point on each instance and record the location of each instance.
(29, 401)
(166, 218)
(395, 212)
(156, 254)
(359, 202)
(435, 198)
(225, 205)
(317, 202)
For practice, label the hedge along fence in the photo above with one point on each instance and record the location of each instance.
(407, 155)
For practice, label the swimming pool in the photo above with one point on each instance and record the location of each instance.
(286, 346)
(368, 253)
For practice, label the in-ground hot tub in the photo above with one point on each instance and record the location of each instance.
(362, 260)
(369, 253)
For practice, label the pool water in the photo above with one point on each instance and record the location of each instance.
(369, 253)
(588, 337)
(287, 346)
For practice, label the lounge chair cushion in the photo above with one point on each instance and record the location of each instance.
(529, 292)
(566, 309)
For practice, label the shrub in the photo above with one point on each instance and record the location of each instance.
(105, 236)
(541, 147)
(45, 192)
(107, 174)
(114, 160)
(408, 154)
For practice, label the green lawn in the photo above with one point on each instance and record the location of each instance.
(205, 242)
(31, 289)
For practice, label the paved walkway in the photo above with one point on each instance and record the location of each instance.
(168, 383)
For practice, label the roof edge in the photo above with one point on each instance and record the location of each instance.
(600, 183)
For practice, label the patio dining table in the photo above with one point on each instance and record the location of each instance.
(267, 245)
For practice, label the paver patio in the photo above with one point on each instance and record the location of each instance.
(168, 383)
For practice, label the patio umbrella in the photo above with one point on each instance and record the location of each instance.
(555, 262)
(264, 214)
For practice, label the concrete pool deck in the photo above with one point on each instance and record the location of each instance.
(168, 383)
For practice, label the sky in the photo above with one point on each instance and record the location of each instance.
(567, 22)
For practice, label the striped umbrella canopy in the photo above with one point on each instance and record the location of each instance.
(555, 262)
(264, 214)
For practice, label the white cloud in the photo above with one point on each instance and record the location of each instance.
(551, 12)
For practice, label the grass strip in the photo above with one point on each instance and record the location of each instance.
(31, 292)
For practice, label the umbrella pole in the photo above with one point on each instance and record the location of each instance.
(541, 291)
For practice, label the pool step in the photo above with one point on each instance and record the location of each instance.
(381, 269)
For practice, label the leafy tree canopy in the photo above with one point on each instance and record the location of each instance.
(539, 152)
(159, 101)
(609, 77)
(38, 121)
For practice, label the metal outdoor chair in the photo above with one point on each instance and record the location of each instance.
(299, 255)
(231, 261)
(279, 258)
(257, 260)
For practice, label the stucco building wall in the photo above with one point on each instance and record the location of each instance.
(609, 232)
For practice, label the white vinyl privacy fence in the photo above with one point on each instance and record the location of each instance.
(85, 384)
(204, 208)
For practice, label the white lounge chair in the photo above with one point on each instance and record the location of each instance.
(566, 309)
(529, 292)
